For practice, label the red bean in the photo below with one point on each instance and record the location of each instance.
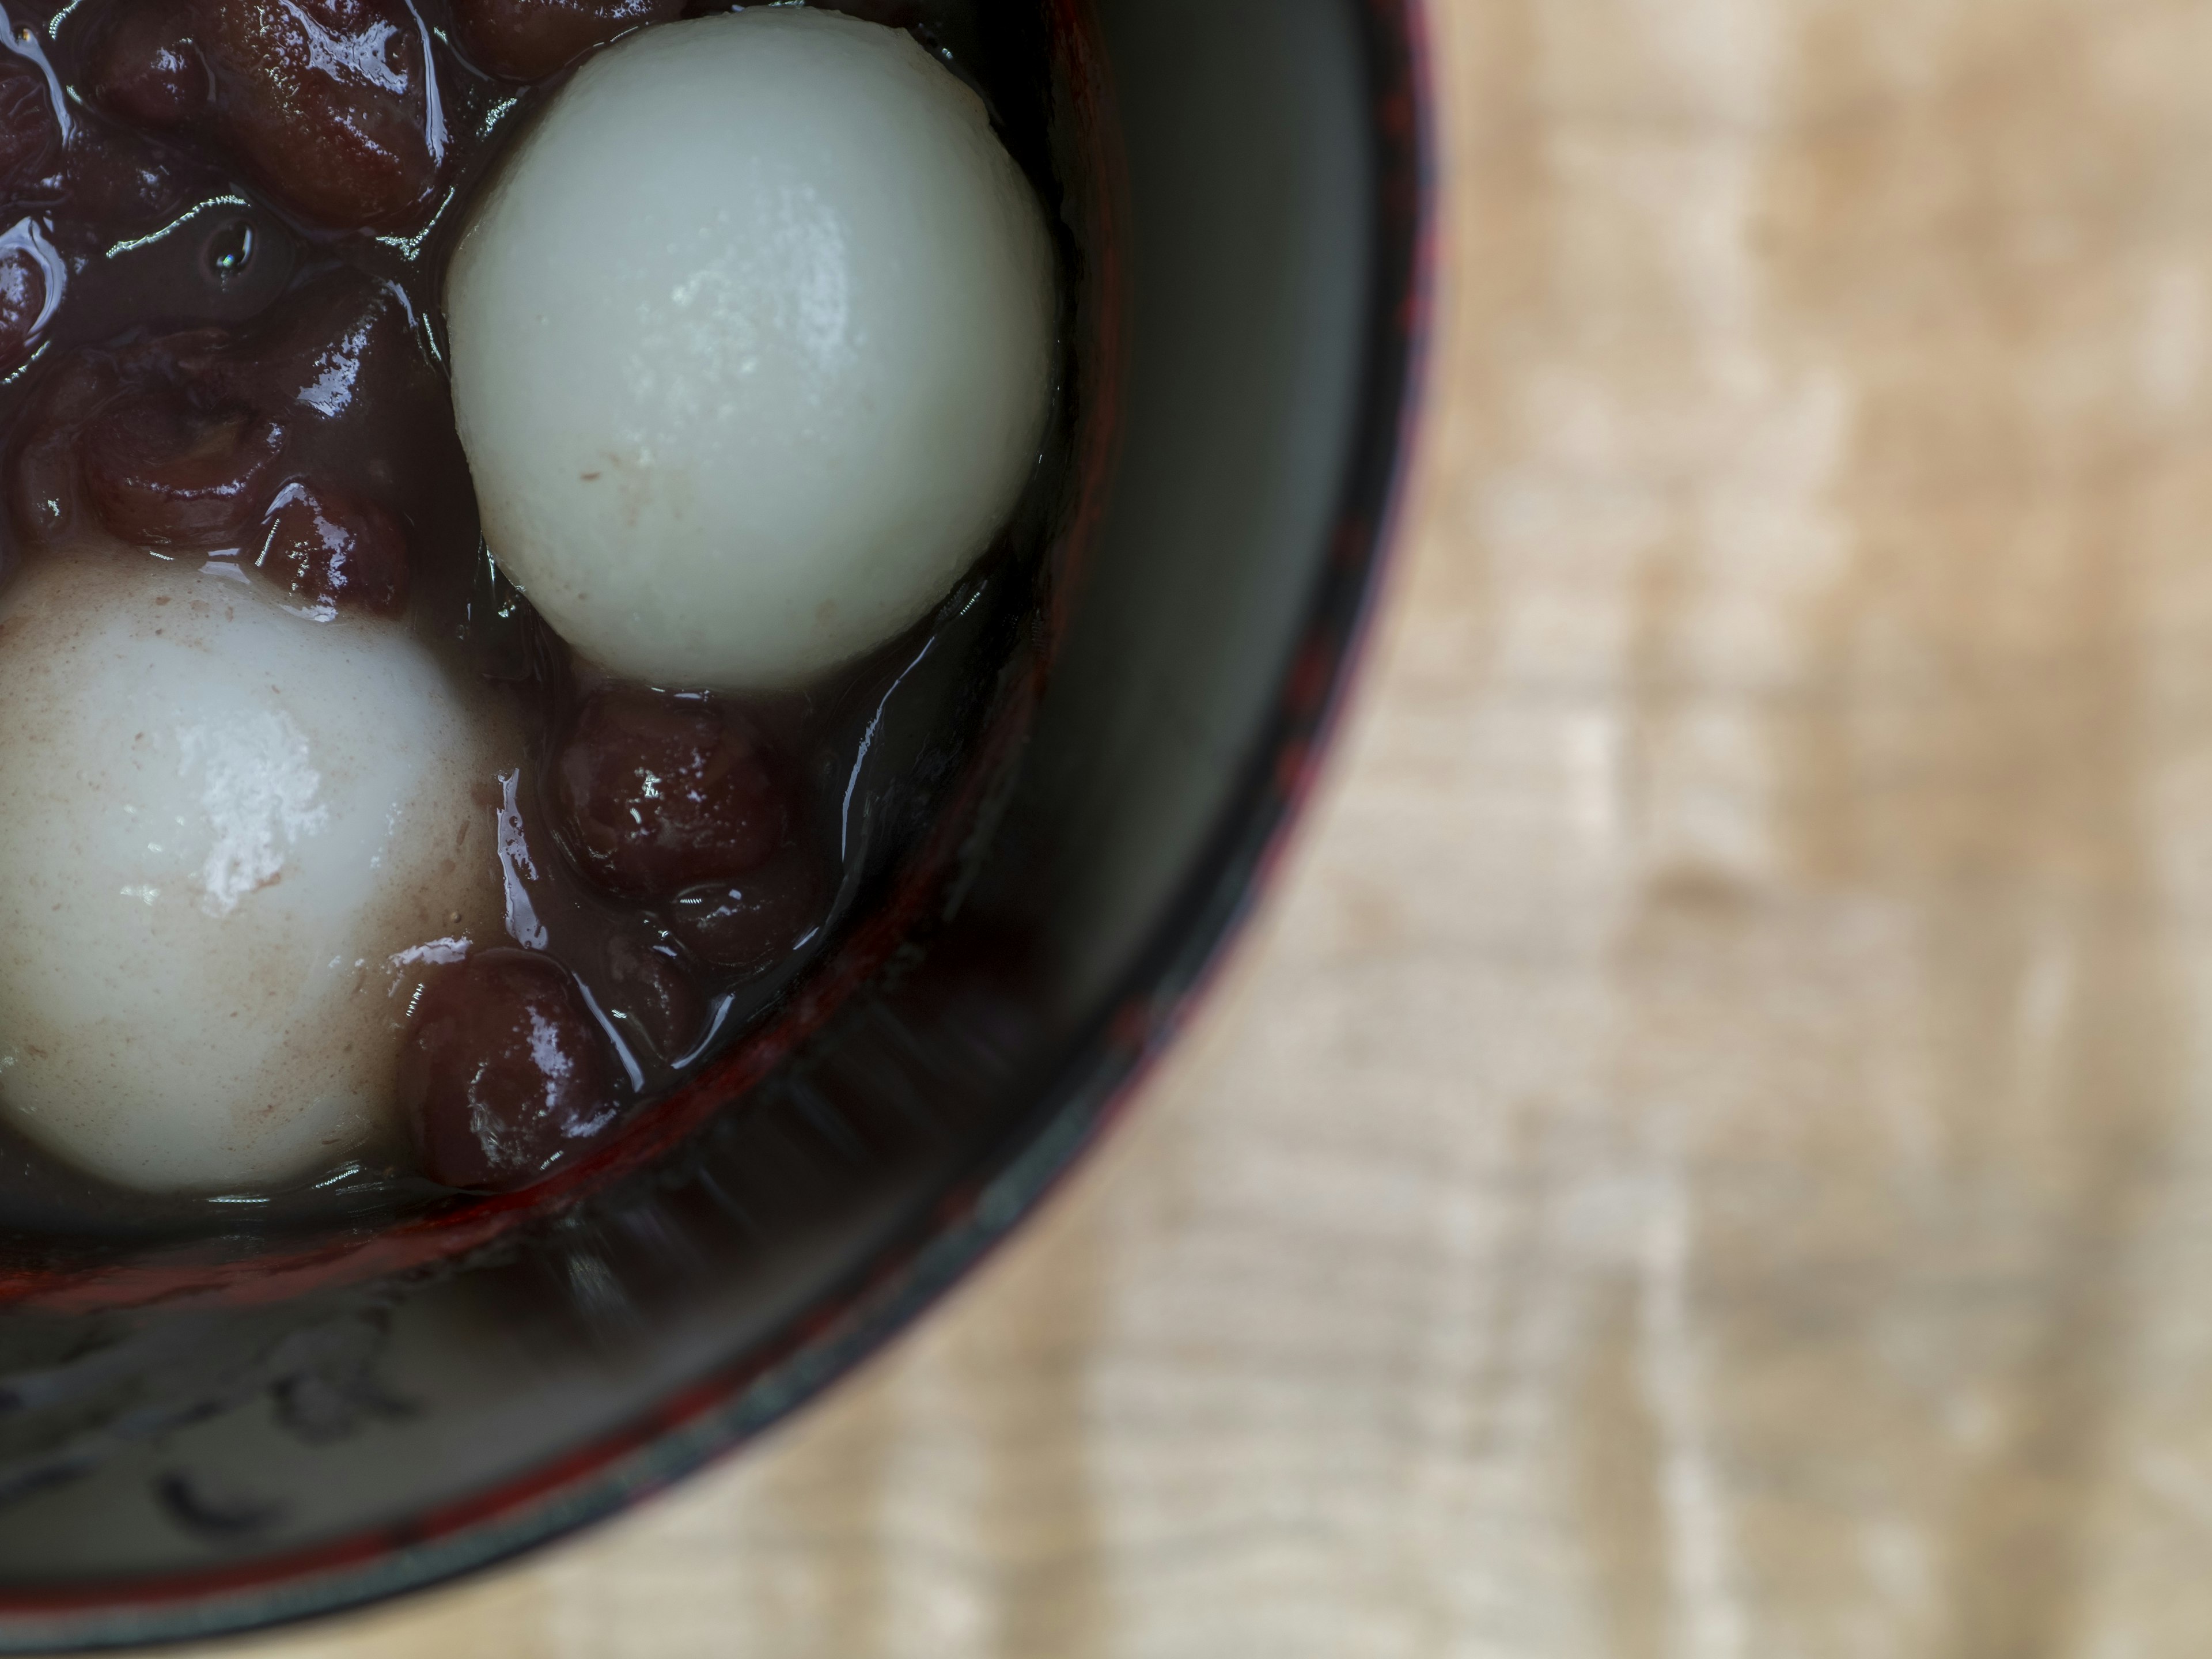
(504, 1072)
(145, 67)
(748, 926)
(30, 136)
(528, 39)
(329, 100)
(330, 104)
(653, 794)
(43, 475)
(648, 991)
(182, 440)
(334, 551)
(120, 177)
(159, 472)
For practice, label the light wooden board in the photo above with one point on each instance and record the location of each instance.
(1710, 1155)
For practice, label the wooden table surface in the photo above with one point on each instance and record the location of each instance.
(1710, 1154)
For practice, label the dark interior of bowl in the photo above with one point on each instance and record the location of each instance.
(341, 1431)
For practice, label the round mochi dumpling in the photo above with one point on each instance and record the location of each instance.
(232, 842)
(751, 343)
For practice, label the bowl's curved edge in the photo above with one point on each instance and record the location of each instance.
(1104, 1073)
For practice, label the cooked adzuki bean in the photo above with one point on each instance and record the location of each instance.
(650, 992)
(44, 493)
(159, 472)
(339, 349)
(183, 441)
(329, 104)
(30, 136)
(504, 1072)
(118, 178)
(335, 551)
(747, 927)
(529, 39)
(652, 792)
(144, 67)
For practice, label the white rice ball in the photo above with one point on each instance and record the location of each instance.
(228, 834)
(751, 347)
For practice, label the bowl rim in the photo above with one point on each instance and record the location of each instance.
(1095, 1085)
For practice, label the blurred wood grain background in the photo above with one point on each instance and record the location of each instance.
(1709, 1155)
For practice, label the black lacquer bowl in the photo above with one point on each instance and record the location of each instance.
(257, 1429)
